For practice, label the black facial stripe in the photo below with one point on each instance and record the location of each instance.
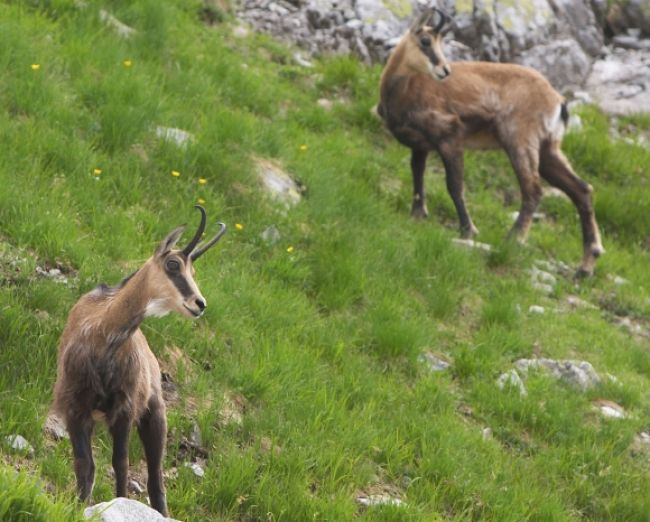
(180, 283)
(431, 54)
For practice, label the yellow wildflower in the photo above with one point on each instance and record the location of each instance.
(202, 181)
(36, 66)
(127, 63)
(175, 173)
(290, 249)
(303, 147)
(97, 171)
(239, 226)
(201, 201)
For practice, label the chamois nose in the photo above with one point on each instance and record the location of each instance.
(201, 304)
(446, 69)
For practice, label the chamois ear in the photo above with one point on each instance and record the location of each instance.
(168, 243)
(421, 20)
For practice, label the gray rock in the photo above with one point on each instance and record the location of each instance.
(511, 379)
(434, 362)
(19, 443)
(577, 373)
(120, 28)
(179, 137)
(563, 62)
(124, 510)
(196, 468)
(271, 235)
(470, 243)
(55, 428)
(278, 184)
(620, 83)
(536, 309)
(382, 499)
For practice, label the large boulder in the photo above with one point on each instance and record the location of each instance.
(124, 510)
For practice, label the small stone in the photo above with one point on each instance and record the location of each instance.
(578, 373)
(41, 315)
(537, 216)
(55, 428)
(178, 136)
(610, 409)
(554, 192)
(378, 500)
(280, 185)
(135, 487)
(434, 362)
(512, 379)
(536, 309)
(486, 433)
(121, 28)
(325, 104)
(470, 243)
(271, 235)
(297, 57)
(576, 302)
(617, 280)
(196, 469)
(195, 435)
(240, 31)
(19, 443)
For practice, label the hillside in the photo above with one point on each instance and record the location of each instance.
(306, 386)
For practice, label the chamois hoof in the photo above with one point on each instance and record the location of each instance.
(419, 213)
(469, 233)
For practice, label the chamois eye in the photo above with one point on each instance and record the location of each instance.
(173, 265)
(425, 41)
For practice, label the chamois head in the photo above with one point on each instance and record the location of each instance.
(173, 273)
(424, 44)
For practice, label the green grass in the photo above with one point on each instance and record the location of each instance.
(321, 344)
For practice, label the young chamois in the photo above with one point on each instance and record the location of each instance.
(107, 371)
(429, 105)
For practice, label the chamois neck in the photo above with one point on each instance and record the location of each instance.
(127, 307)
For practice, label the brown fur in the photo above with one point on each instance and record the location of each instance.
(482, 105)
(106, 370)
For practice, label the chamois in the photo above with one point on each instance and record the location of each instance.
(106, 370)
(430, 105)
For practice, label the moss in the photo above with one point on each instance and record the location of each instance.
(400, 8)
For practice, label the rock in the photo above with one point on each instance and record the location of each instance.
(536, 309)
(232, 409)
(563, 62)
(240, 31)
(542, 280)
(55, 428)
(625, 41)
(135, 487)
(124, 510)
(279, 185)
(195, 435)
(297, 57)
(380, 499)
(196, 468)
(53, 273)
(120, 28)
(617, 280)
(180, 137)
(470, 243)
(620, 82)
(537, 216)
(326, 104)
(486, 433)
(577, 373)
(512, 379)
(434, 362)
(610, 409)
(271, 235)
(575, 302)
(19, 443)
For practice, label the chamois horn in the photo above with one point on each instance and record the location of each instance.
(201, 250)
(199, 232)
(444, 18)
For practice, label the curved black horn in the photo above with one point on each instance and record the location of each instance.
(201, 250)
(443, 19)
(199, 232)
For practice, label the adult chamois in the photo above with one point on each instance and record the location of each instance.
(430, 105)
(106, 370)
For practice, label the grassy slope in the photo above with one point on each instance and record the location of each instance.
(322, 342)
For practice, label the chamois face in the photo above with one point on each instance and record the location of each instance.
(429, 44)
(173, 282)
(423, 45)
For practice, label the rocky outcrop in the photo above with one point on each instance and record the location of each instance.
(563, 39)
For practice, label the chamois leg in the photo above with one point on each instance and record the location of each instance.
(152, 429)
(454, 163)
(418, 164)
(556, 169)
(525, 164)
(84, 467)
(120, 430)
